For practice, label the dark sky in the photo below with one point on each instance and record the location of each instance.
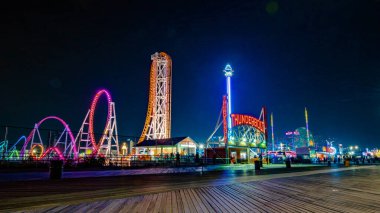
(286, 55)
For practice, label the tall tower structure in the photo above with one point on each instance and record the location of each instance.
(228, 73)
(307, 127)
(158, 117)
(271, 125)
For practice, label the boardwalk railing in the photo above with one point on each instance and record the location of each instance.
(131, 161)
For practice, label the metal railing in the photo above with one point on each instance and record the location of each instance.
(131, 161)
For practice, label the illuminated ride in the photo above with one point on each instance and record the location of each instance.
(244, 136)
(63, 148)
(242, 130)
(13, 153)
(36, 151)
(225, 112)
(108, 144)
(158, 118)
(302, 137)
(248, 131)
(3, 146)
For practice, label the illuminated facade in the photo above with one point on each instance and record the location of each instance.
(158, 118)
(170, 147)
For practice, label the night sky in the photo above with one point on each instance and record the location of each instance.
(286, 55)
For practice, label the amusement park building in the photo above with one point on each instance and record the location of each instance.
(181, 145)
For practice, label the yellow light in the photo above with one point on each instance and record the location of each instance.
(124, 146)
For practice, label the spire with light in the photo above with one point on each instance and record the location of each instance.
(228, 71)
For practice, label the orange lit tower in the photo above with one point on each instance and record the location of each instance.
(158, 117)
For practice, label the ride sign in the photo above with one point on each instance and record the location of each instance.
(241, 119)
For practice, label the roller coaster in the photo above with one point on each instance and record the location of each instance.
(84, 143)
(240, 131)
(67, 146)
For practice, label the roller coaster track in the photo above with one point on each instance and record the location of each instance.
(158, 118)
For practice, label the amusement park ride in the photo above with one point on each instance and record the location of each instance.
(158, 116)
(243, 135)
(242, 132)
(69, 147)
(108, 144)
(157, 124)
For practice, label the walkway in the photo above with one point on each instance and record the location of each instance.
(354, 189)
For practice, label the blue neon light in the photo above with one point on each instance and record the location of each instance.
(14, 146)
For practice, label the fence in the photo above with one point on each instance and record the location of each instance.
(116, 162)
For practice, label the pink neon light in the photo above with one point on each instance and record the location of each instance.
(91, 118)
(56, 150)
(39, 123)
(289, 133)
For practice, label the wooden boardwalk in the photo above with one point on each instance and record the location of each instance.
(354, 190)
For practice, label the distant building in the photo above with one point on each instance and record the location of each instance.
(181, 145)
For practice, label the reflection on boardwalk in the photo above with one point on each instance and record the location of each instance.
(340, 190)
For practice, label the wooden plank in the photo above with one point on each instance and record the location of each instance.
(160, 201)
(199, 201)
(152, 203)
(350, 192)
(186, 206)
(212, 200)
(251, 201)
(113, 206)
(180, 204)
(174, 206)
(211, 206)
(130, 204)
(217, 198)
(194, 206)
(232, 201)
(168, 204)
(144, 204)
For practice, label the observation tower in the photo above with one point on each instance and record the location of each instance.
(158, 117)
